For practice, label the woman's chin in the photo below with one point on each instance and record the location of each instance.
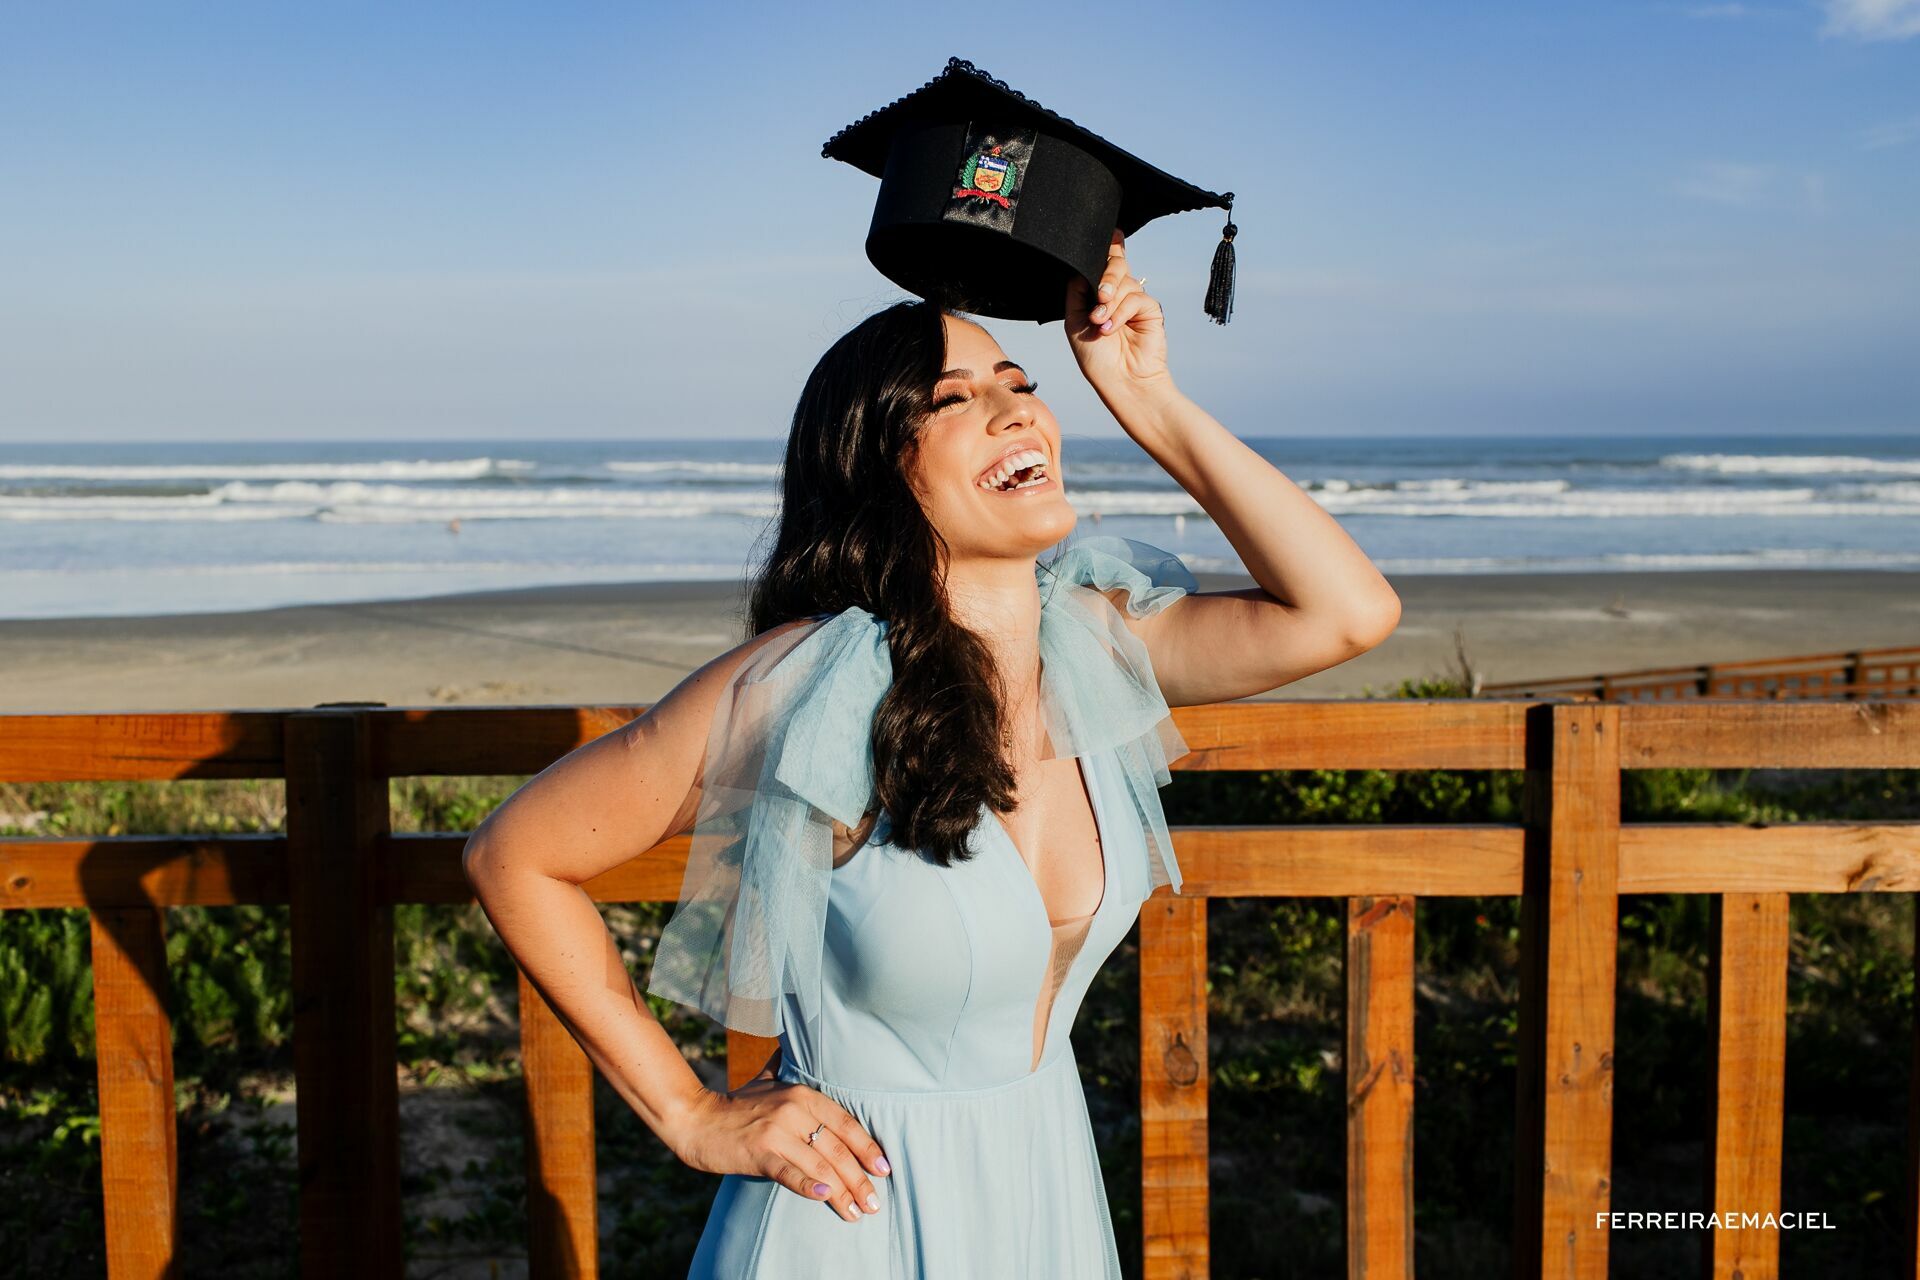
(1045, 524)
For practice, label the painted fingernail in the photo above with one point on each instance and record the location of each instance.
(1099, 313)
(881, 1161)
(1107, 327)
(853, 1214)
(821, 1188)
(1106, 291)
(873, 1203)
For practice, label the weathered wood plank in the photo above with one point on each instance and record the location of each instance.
(1351, 733)
(1467, 860)
(1379, 1070)
(138, 871)
(473, 741)
(1746, 1094)
(1334, 733)
(139, 1153)
(1173, 1087)
(1770, 735)
(140, 746)
(1569, 940)
(563, 1238)
(1484, 733)
(1793, 857)
(344, 1060)
(1352, 861)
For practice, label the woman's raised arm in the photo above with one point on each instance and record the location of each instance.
(1320, 600)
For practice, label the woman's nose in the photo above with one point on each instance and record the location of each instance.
(1016, 412)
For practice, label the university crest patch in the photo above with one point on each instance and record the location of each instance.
(987, 175)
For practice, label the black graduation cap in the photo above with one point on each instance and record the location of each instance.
(989, 202)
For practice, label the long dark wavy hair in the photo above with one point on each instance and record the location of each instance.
(852, 532)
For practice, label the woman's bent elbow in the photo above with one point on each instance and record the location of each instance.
(1371, 628)
(479, 864)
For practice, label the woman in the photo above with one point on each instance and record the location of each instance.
(931, 737)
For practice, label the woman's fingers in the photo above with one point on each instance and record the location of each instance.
(1133, 300)
(855, 1134)
(803, 1167)
(1134, 304)
(828, 1168)
(1113, 279)
(846, 1167)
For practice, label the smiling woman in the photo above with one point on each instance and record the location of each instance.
(933, 720)
(924, 797)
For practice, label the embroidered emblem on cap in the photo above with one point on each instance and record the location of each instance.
(987, 175)
(997, 165)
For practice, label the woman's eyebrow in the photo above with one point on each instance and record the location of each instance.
(965, 374)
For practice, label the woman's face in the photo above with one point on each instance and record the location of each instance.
(987, 466)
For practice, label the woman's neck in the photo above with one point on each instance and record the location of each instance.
(999, 601)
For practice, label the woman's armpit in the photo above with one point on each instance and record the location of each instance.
(847, 841)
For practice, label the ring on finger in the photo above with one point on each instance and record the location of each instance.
(816, 1133)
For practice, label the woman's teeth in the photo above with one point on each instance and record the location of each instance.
(1012, 465)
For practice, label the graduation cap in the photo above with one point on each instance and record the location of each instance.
(989, 202)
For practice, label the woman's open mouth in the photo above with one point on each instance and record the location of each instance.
(1017, 473)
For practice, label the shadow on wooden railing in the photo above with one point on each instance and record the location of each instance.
(341, 868)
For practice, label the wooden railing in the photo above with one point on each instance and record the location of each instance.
(1852, 675)
(342, 868)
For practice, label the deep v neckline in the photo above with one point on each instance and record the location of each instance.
(1100, 842)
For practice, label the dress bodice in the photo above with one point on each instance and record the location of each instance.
(954, 977)
(891, 971)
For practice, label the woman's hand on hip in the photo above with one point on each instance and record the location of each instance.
(1117, 331)
(761, 1128)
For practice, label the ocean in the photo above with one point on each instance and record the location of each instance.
(125, 529)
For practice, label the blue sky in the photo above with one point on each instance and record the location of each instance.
(480, 221)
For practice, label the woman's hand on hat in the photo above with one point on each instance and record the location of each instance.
(1117, 330)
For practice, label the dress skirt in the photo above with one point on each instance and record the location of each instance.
(996, 1182)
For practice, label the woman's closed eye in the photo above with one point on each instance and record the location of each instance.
(1025, 389)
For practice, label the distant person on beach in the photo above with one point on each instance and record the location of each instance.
(923, 797)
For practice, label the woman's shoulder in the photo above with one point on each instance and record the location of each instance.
(700, 690)
(1131, 575)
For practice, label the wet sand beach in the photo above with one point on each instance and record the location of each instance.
(630, 643)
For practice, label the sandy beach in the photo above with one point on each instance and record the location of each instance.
(629, 643)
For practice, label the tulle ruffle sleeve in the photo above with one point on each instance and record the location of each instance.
(788, 754)
(1097, 681)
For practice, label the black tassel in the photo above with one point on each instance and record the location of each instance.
(1220, 279)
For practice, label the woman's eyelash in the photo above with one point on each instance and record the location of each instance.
(1025, 389)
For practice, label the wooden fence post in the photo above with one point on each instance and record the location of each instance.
(344, 1057)
(1569, 925)
(1746, 1096)
(1910, 1246)
(1173, 1087)
(133, 1049)
(563, 1237)
(747, 1056)
(1379, 1071)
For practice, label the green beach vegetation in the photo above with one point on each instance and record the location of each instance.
(1276, 1087)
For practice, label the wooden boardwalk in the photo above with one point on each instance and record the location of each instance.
(342, 869)
(1854, 675)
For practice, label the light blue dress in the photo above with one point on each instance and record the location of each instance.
(933, 1003)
